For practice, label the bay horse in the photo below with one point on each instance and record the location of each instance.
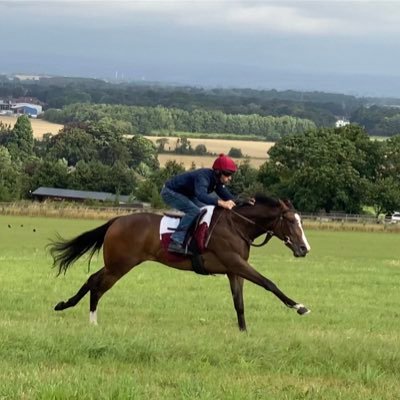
(132, 239)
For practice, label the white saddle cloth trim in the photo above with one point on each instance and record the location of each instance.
(169, 224)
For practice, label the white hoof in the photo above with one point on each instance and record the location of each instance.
(93, 317)
(301, 309)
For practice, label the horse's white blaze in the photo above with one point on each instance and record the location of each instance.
(93, 317)
(303, 236)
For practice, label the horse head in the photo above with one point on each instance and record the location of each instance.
(279, 218)
(289, 229)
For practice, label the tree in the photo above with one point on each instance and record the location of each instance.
(245, 181)
(142, 150)
(5, 133)
(162, 142)
(384, 189)
(10, 177)
(147, 188)
(200, 150)
(72, 144)
(92, 175)
(183, 146)
(45, 173)
(235, 152)
(123, 180)
(324, 169)
(20, 143)
(384, 195)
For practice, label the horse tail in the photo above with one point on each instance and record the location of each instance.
(66, 252)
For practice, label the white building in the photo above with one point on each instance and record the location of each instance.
(33, 110)
(341, 122)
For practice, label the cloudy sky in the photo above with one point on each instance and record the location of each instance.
(342, 46)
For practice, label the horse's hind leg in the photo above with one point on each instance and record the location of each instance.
(104, 281)
(74, 300)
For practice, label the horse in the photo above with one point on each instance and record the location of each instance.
(129, 240)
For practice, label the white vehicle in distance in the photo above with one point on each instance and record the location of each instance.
(395, 218)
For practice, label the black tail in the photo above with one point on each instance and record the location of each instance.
(66, 252)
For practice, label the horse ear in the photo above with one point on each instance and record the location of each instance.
(288, 203)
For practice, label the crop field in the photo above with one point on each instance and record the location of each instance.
(168, 334)
(203, 161)
(39, 126)
(250, 148)
(256, 151)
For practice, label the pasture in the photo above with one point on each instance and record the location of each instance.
(167, 334)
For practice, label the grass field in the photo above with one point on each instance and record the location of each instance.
(167, 334)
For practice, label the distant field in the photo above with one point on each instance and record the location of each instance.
(203, 161)
(252, 149)
(257, 151)
(39, 126)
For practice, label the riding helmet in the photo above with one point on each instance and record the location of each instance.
(224, 163)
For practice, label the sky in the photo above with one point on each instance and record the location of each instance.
(350, 47)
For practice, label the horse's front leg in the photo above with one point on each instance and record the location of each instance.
(241, 267)
(236, 283)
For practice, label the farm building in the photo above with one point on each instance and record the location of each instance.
(5, 105)
(45, 193)
(33, 110)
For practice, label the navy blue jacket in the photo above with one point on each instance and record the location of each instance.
(199, 184)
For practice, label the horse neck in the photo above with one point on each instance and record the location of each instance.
(254, 220)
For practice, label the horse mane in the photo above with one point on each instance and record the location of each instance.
(268, 201)
(261, 198)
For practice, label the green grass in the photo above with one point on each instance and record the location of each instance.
(167, 334)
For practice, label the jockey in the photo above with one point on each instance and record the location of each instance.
(191, 190)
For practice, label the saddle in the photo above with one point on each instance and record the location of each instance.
(196, 238)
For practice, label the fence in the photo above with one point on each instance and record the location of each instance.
(78, 210)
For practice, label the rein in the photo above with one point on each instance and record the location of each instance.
(268, 233)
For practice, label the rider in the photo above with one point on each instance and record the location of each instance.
(191, 190)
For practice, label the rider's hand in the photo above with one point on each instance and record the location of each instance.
(228, 204)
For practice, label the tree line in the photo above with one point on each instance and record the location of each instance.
(146, 120)
(321, 108)
(325, 169)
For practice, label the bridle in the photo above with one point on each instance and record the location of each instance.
(268, 233)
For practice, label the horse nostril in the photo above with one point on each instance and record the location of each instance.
(303, 249)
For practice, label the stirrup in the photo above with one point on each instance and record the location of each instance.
(177, 248)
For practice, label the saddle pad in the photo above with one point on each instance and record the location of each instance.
(169, 224)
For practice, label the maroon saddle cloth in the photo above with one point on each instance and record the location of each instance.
(198, 232)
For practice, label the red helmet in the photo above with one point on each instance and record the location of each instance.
(224, 163)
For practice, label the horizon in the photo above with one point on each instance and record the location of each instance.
(33, 76)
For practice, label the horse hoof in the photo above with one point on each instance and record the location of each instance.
(303, 311)
(60, 306)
